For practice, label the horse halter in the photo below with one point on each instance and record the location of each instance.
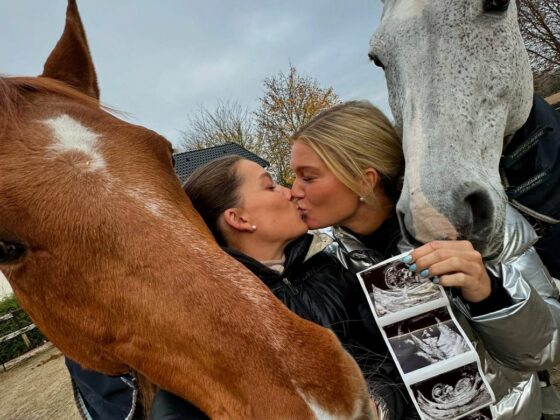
(495, 5)
(11, 251)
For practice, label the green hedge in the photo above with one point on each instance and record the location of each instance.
(16, 346)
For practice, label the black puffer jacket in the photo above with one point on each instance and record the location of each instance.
(318, 288)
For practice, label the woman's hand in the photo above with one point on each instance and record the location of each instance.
(457, 264)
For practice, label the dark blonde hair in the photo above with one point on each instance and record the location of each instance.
(351, 137)
(213, 188)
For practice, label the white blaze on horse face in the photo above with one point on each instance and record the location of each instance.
(71, 136)
(145, 200)
(321, 414)
(428, 222)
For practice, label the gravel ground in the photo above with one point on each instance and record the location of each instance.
(37, 388)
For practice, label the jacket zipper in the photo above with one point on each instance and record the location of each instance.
(290, 286)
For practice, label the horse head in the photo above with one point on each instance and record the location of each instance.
(460, 85)
(107, 255)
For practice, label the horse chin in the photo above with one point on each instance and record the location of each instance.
(490, 245)
(489, 242)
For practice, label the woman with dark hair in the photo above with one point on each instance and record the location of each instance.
(256, 221)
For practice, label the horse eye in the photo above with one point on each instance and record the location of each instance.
(11, 251)
(376, 60)
(495, 5)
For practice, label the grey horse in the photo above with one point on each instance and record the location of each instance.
(460, 85)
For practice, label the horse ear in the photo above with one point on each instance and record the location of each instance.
(70, 61)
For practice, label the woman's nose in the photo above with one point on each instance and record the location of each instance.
(285, 192)
(297, 191)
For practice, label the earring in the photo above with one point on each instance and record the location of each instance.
(253, 228)
(362, 199)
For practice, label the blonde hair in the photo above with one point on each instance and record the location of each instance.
(351, 137)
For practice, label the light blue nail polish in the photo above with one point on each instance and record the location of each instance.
(435, 280)
(425, 273)
(412, 267)
(407, 259)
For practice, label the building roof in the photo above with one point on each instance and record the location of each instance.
(187, 162)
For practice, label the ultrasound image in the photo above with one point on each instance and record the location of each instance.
(394, 287)
(452, 394)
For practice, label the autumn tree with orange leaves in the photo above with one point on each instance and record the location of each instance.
(290, 100)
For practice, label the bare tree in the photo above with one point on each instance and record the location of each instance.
(289, 101)
(228, 122)
(539, 21)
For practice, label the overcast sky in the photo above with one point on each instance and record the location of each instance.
(160, 60)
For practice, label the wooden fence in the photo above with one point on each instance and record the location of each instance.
(19, 325)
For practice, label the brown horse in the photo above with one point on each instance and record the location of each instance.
(109, 258)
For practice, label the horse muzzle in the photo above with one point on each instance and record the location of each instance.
(470, 211)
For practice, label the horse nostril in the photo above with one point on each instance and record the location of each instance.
(480, 205)
(11, 251)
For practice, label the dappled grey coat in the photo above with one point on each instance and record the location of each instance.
(514, 342)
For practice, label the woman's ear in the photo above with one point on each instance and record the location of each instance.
(371, 179)
(235, 219)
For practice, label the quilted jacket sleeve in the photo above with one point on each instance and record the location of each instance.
(524, 335)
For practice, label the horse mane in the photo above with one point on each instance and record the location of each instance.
(14, 94)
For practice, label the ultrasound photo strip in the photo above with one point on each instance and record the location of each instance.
(396, 293)
(438, 363)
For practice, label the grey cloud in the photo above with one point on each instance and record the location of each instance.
(160, 60)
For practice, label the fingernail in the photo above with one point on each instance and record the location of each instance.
(435, 280)
(412, 267)
(407, 259)
(425, 273)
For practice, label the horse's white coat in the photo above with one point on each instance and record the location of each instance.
(71, 136)
(404, 9)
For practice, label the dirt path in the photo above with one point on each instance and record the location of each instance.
(37, 388)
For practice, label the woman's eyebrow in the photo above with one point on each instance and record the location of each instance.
(266, 175)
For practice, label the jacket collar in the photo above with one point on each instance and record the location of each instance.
(296, 253)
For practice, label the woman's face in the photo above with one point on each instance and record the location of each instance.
(322, 198)
(267, 205)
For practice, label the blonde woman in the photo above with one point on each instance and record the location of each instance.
(348, 164)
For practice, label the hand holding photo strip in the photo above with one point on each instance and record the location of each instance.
(438, 364)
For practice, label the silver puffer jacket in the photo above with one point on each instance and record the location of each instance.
(515, 342)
